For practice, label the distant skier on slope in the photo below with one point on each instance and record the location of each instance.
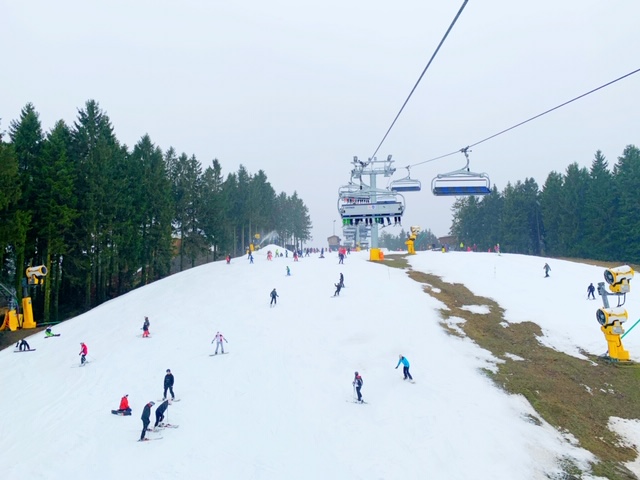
(274, 296)
(145, 327)
(338, 288)
(342, 280)
(146, 415)
(160, 412)
(591, 291)
(547, 269)
(219, 338)
(405, 367)
(168, 385)
(357, 383)
(83, 353)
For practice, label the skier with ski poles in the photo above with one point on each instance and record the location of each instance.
(146, 414)
(274, 296)
(357, 385)
(591, 291)
(145, 327)
(219, 338)
(160, 413)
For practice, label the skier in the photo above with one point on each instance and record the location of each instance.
(357, 383)
(274, 296)
(23, 345)
(228, 259)
(160, 412)
(341, 258)
(338, 287)
(546, 268)
(146, 414)
(288, 272)
(145, 328)
(83, 353)
(124, 406)
(405, 367)
(218, 339)
(168, 385)
(342, 280)
(250, 258)
(591, 291)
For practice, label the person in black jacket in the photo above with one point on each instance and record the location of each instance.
(357, 383)
(338, 287)
(168, 385)
(146, 414)
(160, 412)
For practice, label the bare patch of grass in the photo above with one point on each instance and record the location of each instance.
(575, 396)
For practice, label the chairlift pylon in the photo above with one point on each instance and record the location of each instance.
(461, 182)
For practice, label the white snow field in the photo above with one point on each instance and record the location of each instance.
(279, 405)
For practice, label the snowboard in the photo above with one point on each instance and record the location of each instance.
(168, 425)
(149, 439)
(216, 354)
(355, 401)
(19, 351)
(54, 335)
(172, 400)
(121, 414)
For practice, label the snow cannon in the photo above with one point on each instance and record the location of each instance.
(612, 317)
(410, 243)
(618, 278)
(35, 275)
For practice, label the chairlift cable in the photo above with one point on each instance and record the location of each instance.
(421, 75)
(530, 119)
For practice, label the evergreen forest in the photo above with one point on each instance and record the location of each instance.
(582, 213)
(105, 218)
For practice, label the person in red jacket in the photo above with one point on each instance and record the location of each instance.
(124, 405)
(83, 352)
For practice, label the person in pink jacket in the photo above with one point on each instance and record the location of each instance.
(83, 352)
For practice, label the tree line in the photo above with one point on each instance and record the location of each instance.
(583, 213)
(105, 218)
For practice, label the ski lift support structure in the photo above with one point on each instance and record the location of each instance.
(461, 182)
(372, 167)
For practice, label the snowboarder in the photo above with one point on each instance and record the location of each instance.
(274, 296)
(342, 280)
(168, 385)
(160, 412)
(48, 333)
(219, 338)
(83, 353)
(405, 367)
(547, 269)
(23, 345)
(124, 408)
(591, 291)
(145, 328)
(228, 262)
(288, 272)
(357, 384)
(146, 415)
(338, 288)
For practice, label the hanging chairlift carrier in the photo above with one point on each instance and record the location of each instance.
(461, 182)
(406, 184)
(357, 205)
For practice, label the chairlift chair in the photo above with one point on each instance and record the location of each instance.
(461, 182)
(406, 184)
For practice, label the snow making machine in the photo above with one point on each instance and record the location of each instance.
(13, 319)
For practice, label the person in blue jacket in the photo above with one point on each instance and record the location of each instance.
(405, 367)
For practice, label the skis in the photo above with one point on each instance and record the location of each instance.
(30, 350)
(168, 425)
(149, 439)
(356, 401)
(216, 354)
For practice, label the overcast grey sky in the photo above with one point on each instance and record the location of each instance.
(298, 88)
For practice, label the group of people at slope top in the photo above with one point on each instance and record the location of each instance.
(358, 382)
